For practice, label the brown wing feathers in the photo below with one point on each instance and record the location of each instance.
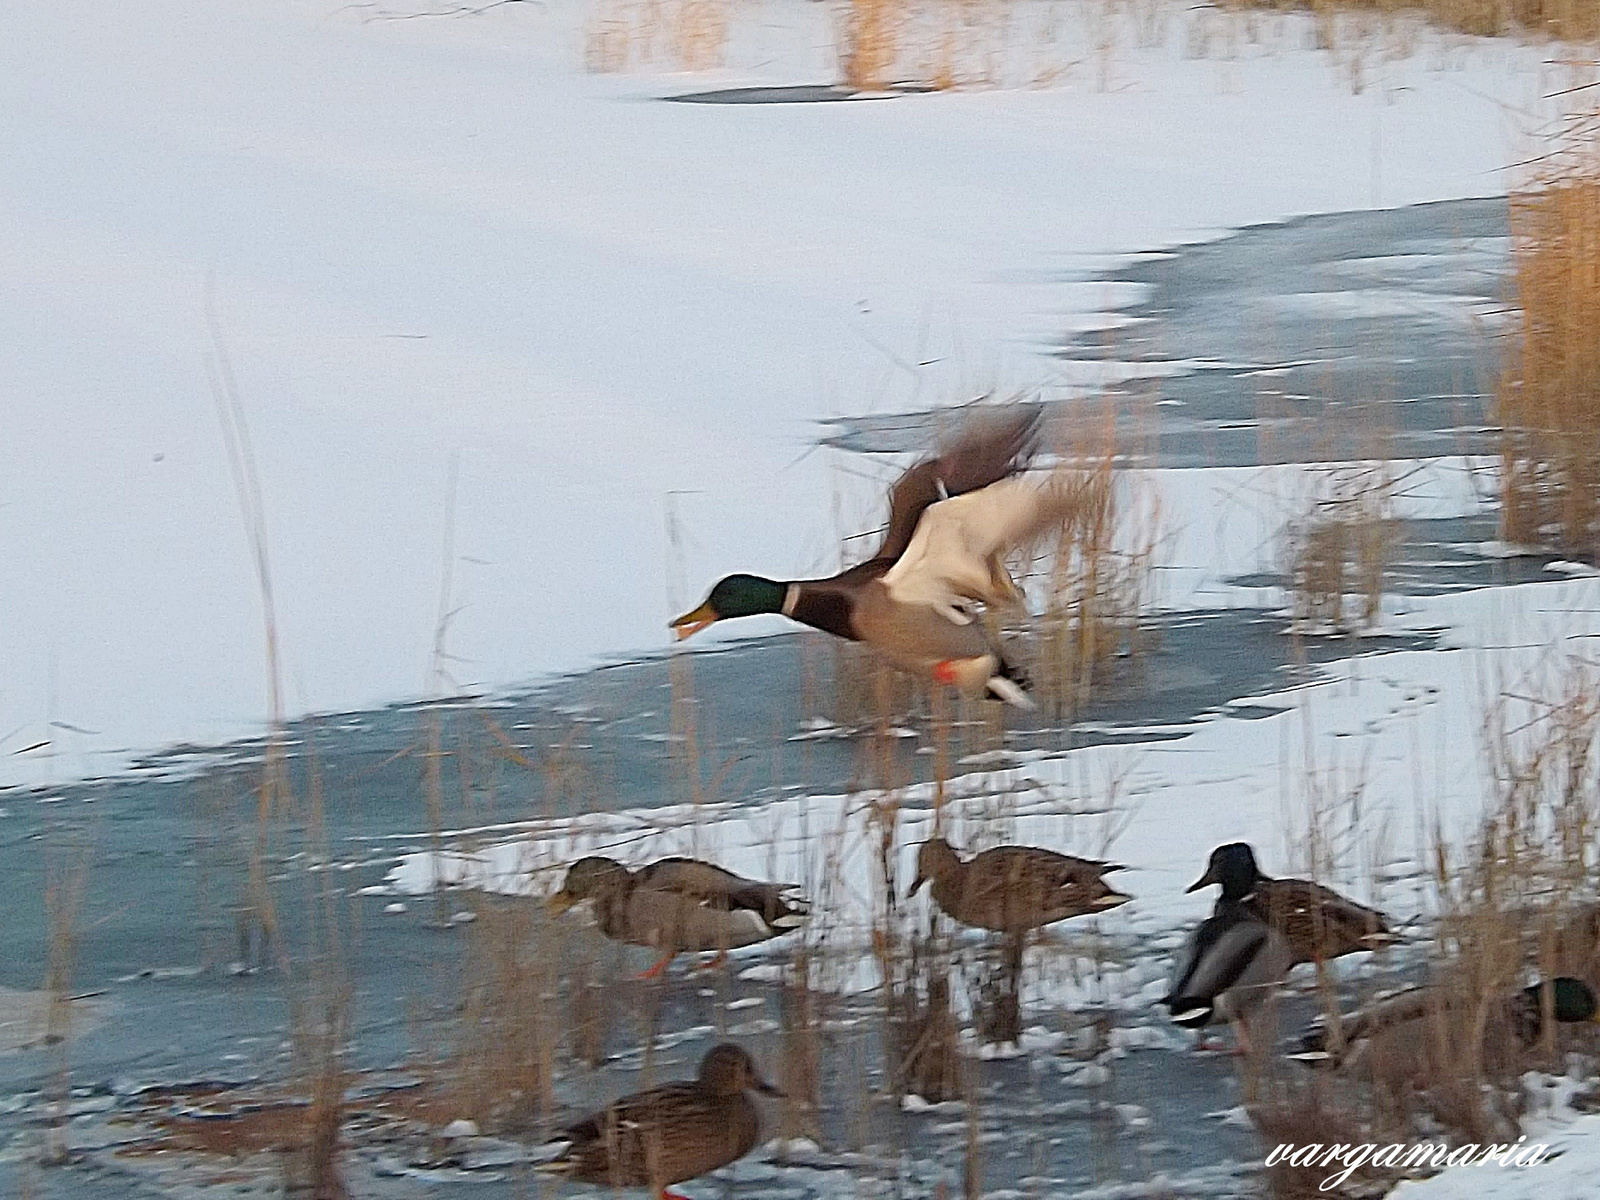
(990, 448)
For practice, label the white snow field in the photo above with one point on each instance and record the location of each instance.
(429, 233)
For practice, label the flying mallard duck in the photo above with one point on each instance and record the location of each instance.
(1415, 1037)
(669, 1133)
(1012, 889)
(1232, 963)
(952, 520)
(1317, 922)
(680, 905)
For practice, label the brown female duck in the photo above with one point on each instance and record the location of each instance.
(680, 905)
(670, 1133)
(1012, 889)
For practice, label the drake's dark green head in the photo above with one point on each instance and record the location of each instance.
(1234, 867)
(1571, 999)
(735, 596)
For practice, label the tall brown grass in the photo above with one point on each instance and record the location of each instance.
(505, 1057)
(1339, 552)
(869, 42)
(1096, 577)
(686, 35)
(1577, 20)
(1549, 397)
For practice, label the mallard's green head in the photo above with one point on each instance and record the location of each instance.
(1571, 999)
(735, 596)
(1234, 867)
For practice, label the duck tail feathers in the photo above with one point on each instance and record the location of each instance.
(1007, 690)
(1314, 1057)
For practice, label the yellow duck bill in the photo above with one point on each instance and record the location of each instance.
(693, 622)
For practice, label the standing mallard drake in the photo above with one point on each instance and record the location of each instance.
(1012, 889)
(1415, 1038)
(670, 1133)
(1316, 922)
(1232, 964)
(953, 518)
(680, 905)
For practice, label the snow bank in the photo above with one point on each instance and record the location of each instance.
(438, 236)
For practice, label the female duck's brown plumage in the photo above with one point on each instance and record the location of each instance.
(1316, 922)
(681, 905)
(1421, 1036)
(670, 1133)
(1012, 889)
(957, 515)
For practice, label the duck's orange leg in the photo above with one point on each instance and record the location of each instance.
(717, 959)
(660, 966)
(667, 1194)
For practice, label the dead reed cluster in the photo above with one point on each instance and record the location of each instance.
(939, 45)
(1095, 573)
(869, 42)
(1340, 549)
(503, 1063)
(1577, 20)
(684, 35)
(1549, 398)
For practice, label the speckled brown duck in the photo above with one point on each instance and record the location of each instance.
(1316, 922)
(678, 1131)
(680, 905)
(1013, 889)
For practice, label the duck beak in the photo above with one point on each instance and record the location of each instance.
(1205, 880)
(693, 622)
(560, 902)
(912, 890)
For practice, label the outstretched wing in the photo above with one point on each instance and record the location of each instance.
(993, 443)
(956, 552)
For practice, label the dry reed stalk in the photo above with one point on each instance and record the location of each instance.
(67, 861)
(1098, 571)
(1549, 397)
(319, 992)
(256, 913)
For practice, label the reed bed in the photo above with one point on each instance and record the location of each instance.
(1574, 20)
(1548, 402)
